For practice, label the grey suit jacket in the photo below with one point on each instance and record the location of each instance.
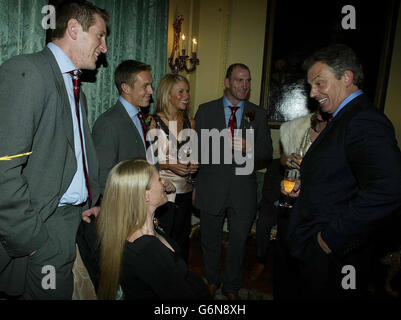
(216, 183)
(116, 139)
(35, 116)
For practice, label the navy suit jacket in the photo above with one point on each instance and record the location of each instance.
(350, 180)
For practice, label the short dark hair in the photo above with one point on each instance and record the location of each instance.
(82, 11)
(339, 58)
(127, 71)
(235, 65)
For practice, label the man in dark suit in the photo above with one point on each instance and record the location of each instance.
(51, 177)
(220, 187)
(350, 180)
(118, 134)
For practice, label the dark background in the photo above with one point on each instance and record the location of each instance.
(304, 26)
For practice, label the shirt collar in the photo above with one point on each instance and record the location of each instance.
(64, 62)
(227, 103)
(348, 99)
(131, 109)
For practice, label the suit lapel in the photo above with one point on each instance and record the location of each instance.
(220, 116)
(333, 123)
(246, 109)
(63, 107)
(129, 124)
(90, 150)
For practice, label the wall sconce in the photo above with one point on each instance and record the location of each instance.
(178, 59)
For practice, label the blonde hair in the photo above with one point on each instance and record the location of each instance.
(164, 89)
(122, 212)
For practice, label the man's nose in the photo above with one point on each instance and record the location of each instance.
(313, 92)
(103, 46)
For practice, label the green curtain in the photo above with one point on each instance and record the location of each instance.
(21, 27)
(138, 30)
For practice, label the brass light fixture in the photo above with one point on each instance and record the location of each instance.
(179, 58)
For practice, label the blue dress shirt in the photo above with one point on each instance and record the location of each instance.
(347, 100)
(227, 110)
(133, 114)
(77, 192)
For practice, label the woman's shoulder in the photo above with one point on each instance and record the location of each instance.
(140, 243)
(159, 121)
(146, 248)
(301, 122)
(157, 115)
(292, 133)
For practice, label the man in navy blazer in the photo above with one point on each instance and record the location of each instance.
(350, 181)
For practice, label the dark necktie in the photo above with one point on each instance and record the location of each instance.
(75, 81)
(232, 122)
(144, 128)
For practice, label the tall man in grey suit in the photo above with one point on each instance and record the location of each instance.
(118, 133)
(220, 189)
(52, 171)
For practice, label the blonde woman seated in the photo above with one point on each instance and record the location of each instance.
(134, 254)
(171, 116)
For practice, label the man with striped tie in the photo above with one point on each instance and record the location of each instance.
(50, 176)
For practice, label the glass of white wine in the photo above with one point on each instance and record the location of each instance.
(290, 178)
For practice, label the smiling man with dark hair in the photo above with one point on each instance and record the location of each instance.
(53, 176)
(349, 180)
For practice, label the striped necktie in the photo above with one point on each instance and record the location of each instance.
(232, 122)
(144, 128)
(75, 80)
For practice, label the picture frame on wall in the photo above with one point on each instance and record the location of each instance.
(294, 30)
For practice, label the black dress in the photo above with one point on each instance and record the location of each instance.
(151, 271)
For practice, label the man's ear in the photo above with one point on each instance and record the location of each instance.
(125, 87)
(72, 28)
(226, 83)
(348, 78)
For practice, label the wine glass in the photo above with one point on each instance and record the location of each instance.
(290, 178)
(301, 152)
(189, 179)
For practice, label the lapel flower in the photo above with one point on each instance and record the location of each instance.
(156, 224)
(148, 119)
(249, 116)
